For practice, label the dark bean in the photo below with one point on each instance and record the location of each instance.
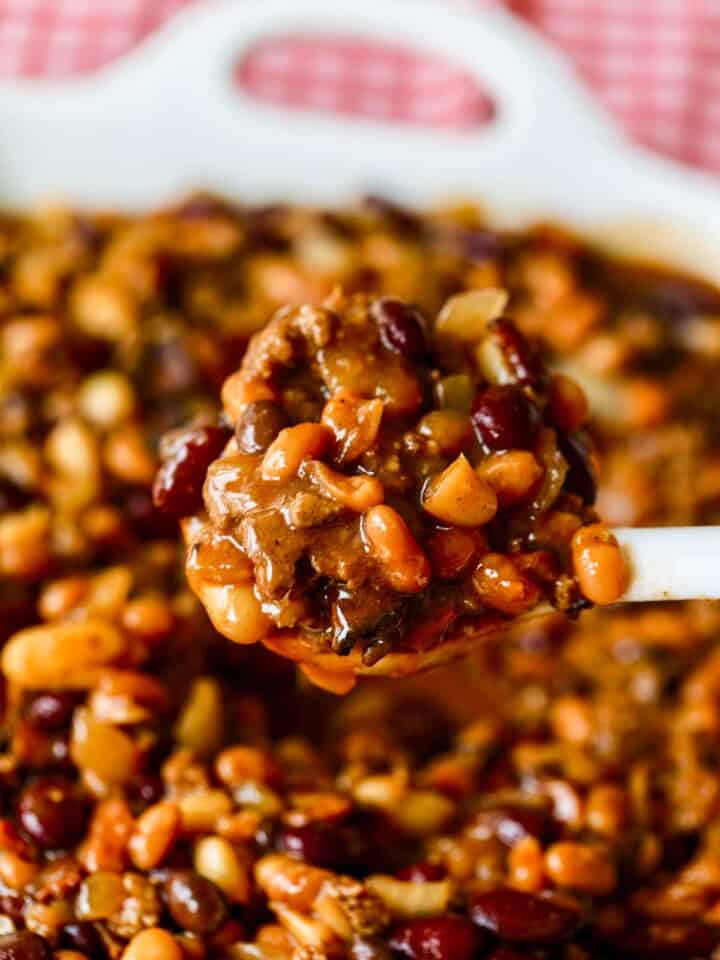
(521, 917)
(520, 361)
(194, 902)
(438, 938)
(53, 812)
(505, 419)
(12, 497)
(51, 710)
(146, 789)
(401, 327)
(149, 522)
(510, 824)
(84, 938)
(369, 948)
(258, 426)
(318, 843)
(88, 353)
(24, 946)
(177, 490)
(422, 872)
(580, 478)
(17, 610)
(670, 941)
(372, 843)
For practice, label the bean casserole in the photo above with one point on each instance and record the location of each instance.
(165, 794)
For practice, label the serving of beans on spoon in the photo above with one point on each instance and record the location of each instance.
(384, 490)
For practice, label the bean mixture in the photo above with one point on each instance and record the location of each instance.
(392, 486)
(167, 795)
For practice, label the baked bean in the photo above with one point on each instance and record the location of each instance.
(525, 865)
(599, 564)
(580, 867)
(355, 422)
(306, 441)
(153, 944)
(239, 763)
(217, 860)
(449, 430)
(460, 496)
(238, 391)
(234, 610)
(568, 404)
(452, 551)
(513, 475)
(155, 833)
(500, 584)
(606, 809)
(294, 883)
(103, 749)
(107, 398)
(354, 493)
(62, 655)
(402, 563)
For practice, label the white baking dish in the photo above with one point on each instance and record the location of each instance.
(165, 119)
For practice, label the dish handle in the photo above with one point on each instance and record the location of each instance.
(167, 118)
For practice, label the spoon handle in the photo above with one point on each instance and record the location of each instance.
(671, 563)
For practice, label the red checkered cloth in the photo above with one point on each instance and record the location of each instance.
(654, 63)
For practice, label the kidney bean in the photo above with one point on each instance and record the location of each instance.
(504, 418)
(144, 790)
(521, 917)
(438, 938)
(177, 489)
(84, 938)
(520, 361)
(194, 902)
(401, 327)
(422, 872)
(12, 497)
(510, 824)
(51, 710)
(53, 812)
(318, 843)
